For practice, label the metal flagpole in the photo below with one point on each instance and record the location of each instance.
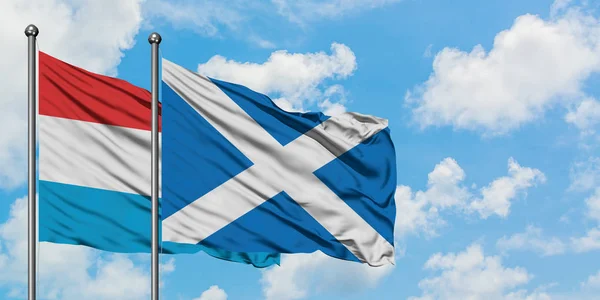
(31, 32)
(154, 40)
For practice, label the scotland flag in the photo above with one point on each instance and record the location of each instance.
(240, 174)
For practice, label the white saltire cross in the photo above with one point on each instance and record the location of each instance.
(275, 168)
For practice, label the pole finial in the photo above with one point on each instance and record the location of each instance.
(154, 38)
(31, 30)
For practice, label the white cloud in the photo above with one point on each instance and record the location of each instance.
(213, 293)
(472, 275)
(496, 196)
(427, 52)
(586, 115)
(286, 105)
(532, 239)
(300, 88)
(309, 10)
(262, 43)
(66, 27)
(417, 215)
(211, 18)
(585, 175)
(335, 98)
(588, 291)
(593, 205)
(116, 278)
(533, 66)
(68, 271)
(332, 109)
(489, 279)
(204, 16)
(420, 211)
(443, 184)
(589, 242)
(559, 6)
(167, 267)
(524, 295)
(243, 18)
(592, 283)
(303, 274)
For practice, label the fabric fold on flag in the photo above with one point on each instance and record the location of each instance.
(241, 174)
(94, 165)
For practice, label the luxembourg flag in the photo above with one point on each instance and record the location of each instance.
(94, 164)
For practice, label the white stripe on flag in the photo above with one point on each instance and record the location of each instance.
(95, 155)
(276, 168)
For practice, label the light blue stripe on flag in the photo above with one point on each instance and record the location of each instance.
(113, 221)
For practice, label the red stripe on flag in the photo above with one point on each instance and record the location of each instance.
(70, 92)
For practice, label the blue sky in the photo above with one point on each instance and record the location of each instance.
(492, 106)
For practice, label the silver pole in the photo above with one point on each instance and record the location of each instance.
(154, 40)
(31, 32)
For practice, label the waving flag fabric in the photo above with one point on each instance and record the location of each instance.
(94, 164)
(240, 174)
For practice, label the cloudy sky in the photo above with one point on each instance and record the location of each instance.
(493, 107)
